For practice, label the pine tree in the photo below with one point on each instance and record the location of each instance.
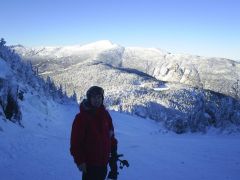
(74, 96)
(236, 89)
(2, 42)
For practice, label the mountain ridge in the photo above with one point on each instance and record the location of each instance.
(185, 93)
(197, 71)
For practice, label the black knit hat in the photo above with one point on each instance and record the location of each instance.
(95, 90)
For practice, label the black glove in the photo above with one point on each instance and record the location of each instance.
(113, 164)
(114, 151)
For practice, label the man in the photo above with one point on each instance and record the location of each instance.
(92, 137)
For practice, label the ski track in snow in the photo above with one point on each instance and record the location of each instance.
(41, 150)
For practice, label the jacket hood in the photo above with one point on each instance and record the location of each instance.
(86, 106)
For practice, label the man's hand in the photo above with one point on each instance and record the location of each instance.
(82, 167)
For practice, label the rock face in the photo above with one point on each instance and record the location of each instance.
(209, 73)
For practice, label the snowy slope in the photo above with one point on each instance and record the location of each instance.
(41, 149)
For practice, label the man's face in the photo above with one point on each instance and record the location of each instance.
(96, 101)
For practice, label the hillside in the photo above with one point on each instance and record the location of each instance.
(42, 151)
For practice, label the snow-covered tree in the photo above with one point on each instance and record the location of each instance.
(236, 89)
(23, 74)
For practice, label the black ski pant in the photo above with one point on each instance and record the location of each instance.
(95, 173)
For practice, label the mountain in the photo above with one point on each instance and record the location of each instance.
(217, 74)
(184, 92)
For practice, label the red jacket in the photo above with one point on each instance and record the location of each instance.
(92, 136)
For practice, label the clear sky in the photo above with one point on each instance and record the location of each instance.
(201, 27)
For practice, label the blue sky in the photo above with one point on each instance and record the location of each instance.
(201, 27)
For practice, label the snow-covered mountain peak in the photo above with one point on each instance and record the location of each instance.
(98, 45)
(102, 44)
(90, 50)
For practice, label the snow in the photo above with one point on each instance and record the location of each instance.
(103, 44)
(40, 150)
(77, 49)
(4, 69)
(161, 89)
